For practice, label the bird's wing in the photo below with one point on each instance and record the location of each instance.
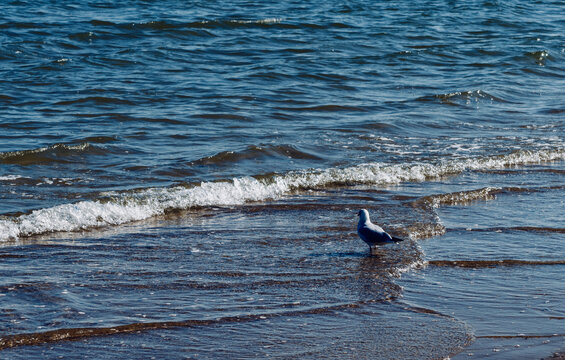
(374, 234)
(378, 229)
(375, 227)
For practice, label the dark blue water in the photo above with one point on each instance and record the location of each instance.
(208, 158)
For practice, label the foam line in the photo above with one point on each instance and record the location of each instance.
(132, 206)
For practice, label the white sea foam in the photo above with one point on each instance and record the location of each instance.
(260, 21)
(10, 177)
(131, 206)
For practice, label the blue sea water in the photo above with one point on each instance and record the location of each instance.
(176, 173)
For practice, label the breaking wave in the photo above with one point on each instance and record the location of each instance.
(121, 207)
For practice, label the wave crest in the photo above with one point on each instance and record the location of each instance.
(123, 207)
(254, 152)
(462, 97)
(54, 153)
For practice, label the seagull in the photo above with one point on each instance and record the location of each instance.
(373, 234)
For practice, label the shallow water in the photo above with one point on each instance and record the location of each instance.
(183, 179)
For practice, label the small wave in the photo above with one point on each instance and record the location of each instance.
(324, 108)
(83, 36)
(7, 99)
(522, 228)
(298, 51)
(426, 230)
(51, 154)
(233, 22)
(98, 100)
(546, 126)
(254, 152)
(458, 198)
(162, 25)
(215, 116)
(467, 197)
(23, 125)
(17, 180)
(524, 336)
(165, 25)
(267, 22)
(119, 208)
(100, 139)
(129, 118)
(540, 57)
(462, 97)
(10, 177)
(478, 264)
(62, 61)
(260, 21)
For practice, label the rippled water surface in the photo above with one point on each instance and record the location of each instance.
(181, 179)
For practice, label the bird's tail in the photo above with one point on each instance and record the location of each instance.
(397, 239)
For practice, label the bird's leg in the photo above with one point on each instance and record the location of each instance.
(374, 250)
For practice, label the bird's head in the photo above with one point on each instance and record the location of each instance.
(363, 215)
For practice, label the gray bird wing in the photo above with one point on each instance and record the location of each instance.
(373, 234)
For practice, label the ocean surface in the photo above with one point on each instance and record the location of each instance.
(180, 179)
